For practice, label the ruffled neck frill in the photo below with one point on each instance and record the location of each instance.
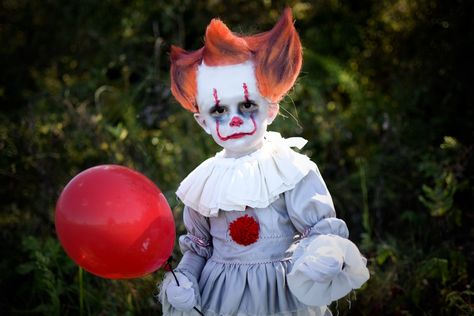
(255, 180)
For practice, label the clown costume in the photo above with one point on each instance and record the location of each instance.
(262, 233)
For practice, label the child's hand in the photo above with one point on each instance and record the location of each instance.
(182, 297)
(323, 265)
(329, 268)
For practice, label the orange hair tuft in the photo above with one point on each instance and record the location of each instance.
(278, 58)
(222, 47)
(183, 76)
(277, 55)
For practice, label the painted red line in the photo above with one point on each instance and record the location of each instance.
(246, 92)
(216, 98)
(236, 135)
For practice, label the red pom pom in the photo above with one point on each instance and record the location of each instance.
(244, 230)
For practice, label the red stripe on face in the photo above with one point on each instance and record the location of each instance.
(246, 92)
(216, 98)
(236, 135)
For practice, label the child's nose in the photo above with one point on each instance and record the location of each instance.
(236, 121)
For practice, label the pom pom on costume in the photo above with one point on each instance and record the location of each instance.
(244, 230)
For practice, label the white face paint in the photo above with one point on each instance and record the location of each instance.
(231, 109)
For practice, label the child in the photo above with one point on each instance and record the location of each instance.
(262, 236)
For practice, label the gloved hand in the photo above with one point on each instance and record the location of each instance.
(181, 297)
(328, 268)
(323, 265)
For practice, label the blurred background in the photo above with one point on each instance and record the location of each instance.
(383, 99)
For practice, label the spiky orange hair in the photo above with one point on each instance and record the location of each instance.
(276, 54)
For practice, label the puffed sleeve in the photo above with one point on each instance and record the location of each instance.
(196, 247)
(326, 265)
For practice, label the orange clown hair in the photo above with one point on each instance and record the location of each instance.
(276, 54)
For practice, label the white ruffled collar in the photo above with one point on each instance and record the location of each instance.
(255, 180)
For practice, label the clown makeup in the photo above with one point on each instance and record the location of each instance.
(231, 109)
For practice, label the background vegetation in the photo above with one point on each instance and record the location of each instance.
(383, 99)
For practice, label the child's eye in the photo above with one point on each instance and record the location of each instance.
(218, 110)
(248, 106)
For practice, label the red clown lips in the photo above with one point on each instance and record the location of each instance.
(237, 135)
(244, 230)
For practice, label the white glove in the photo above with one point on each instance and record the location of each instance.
(323, 265)
(181, 297)
(328, 268)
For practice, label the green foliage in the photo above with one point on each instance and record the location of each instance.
(48, 270)
(383, 100)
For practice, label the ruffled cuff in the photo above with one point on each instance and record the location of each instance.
(167, 308)
(326, 226)
(326, 268)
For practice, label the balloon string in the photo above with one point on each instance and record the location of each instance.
(177, 282)
(171, 269)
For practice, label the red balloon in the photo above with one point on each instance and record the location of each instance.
(115, 223)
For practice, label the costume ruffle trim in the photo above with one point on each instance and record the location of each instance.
(255, 180)
(316, 280)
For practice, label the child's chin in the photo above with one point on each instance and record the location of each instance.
(239, 146)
